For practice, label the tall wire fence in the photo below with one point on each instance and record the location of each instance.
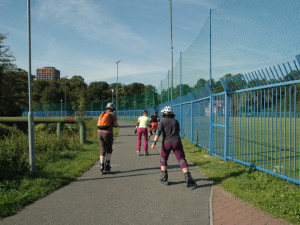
(239, 37)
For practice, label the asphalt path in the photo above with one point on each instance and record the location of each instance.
(130, 194)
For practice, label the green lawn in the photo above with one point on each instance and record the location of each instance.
(269, 193)
(269, 143)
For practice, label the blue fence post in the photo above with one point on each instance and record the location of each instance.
(211, 132)
(298, 58)
(226, 136)
(192, 122)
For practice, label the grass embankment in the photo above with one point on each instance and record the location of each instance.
(59, 160)
(278, 197)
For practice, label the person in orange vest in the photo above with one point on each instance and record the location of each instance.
(107, 120)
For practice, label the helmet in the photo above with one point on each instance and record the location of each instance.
(167, 110)
(110, 105)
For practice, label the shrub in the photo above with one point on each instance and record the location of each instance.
(13, 155)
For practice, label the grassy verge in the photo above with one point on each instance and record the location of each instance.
(19, 191)
(273, 195)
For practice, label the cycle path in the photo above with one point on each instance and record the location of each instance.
(130, 194)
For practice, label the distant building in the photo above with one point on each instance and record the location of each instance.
(47, 73)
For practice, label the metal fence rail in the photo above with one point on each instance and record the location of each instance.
(257, 126)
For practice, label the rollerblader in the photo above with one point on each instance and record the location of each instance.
(141, 126)
(154, 120)
(169, 127)
(107, 120)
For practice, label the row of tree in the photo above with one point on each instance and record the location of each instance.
(74, 91)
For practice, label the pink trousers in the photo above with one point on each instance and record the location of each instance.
(140, 132)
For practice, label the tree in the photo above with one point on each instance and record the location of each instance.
(51, 94)
(200, 84)
(135, 88)
(14, 92)
(38, 87)
(97, 90)
(13, 83)
(6, 57)
(77, 93)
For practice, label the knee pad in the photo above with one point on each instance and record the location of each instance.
(182, 163)
(163, 162)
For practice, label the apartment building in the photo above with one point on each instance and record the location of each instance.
(47, 73)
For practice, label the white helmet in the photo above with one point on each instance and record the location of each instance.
(167, 110)
(110, 105)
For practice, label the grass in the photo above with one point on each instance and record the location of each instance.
(271, 194)
(19, 191)
(269, 143)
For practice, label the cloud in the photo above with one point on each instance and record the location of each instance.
(92, 21)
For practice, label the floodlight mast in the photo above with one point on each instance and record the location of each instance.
(117, 99)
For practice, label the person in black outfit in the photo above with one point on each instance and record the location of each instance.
(169, 127)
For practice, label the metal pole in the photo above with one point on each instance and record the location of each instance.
(112, 95)
(210, 48)
(124, 102)
(61, 107)
(160, 91)
(171, 50)
(117, 99)
(30, 114)
(65, 103)
(153, 96)
(180, 74)
(169, 85)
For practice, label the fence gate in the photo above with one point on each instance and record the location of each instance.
(219, 126)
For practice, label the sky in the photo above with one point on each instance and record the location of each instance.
(87, 37)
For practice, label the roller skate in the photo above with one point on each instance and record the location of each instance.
(164, 177)
(190, 182)
(107, 166)
(102, 167)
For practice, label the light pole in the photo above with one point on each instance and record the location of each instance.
(30, 114)
(61, 107)
(112, 95)
(171, 50)
(117, 100)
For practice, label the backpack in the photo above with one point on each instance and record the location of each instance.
(104, 121)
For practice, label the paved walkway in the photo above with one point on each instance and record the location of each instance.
(228, 210)
(132, 194)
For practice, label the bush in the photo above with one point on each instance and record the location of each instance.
(14, 155)
(14, 150)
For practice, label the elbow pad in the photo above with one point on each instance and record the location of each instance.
(158, 132)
